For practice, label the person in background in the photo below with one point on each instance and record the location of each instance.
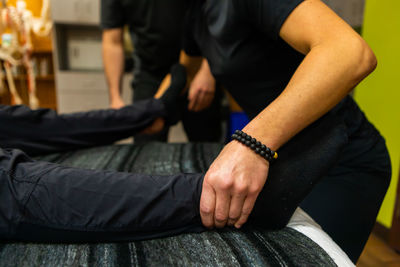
(156, 28)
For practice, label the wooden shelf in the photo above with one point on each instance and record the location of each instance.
(42, 51)
(45, 78)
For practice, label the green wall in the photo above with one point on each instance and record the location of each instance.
(379, 94)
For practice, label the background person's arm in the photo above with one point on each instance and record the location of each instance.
(337, 59)
(113, 58)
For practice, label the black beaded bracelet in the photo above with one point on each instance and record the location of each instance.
(255, 145)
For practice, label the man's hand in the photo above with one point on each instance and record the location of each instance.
(117, 103)
(231, 186)
(202, 89)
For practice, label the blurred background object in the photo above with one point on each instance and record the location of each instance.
(25, 28)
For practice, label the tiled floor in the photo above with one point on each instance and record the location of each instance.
(378, 254)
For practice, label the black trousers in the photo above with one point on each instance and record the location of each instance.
(203, 126)
(46, 202)
(347, 200)
(41, 201)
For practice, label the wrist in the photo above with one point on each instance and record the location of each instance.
(247, 153)
(265, 135)
(255, 145)
(206, 72)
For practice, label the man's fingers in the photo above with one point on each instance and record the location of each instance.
(247, 208)
(236, 207)
(192, 92)
(208, 98)
(192, 104)
(205, 100)
(223, 199)
(207, 205)
(200, 99)
(200, 103)
(193, 99)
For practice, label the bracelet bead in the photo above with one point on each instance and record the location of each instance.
(255, 145)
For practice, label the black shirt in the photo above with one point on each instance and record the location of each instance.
(155, 26)
(240, 39)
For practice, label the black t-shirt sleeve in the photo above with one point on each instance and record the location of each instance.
(112, 14)
(267, 15)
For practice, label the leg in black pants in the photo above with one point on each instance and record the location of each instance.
(46, 202)
(44, 131)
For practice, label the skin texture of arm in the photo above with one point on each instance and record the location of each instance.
(337, 59)
(113, 58)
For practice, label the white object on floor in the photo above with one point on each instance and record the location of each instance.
(304, 224)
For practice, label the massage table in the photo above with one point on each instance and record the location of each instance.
(301, 243)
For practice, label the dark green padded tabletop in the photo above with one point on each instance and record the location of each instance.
(247, 247)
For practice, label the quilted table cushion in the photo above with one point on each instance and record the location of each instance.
(250, 246)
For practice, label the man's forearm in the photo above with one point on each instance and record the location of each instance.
(337, 59)
(326, 75)
(191, 63)
(113, 57)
